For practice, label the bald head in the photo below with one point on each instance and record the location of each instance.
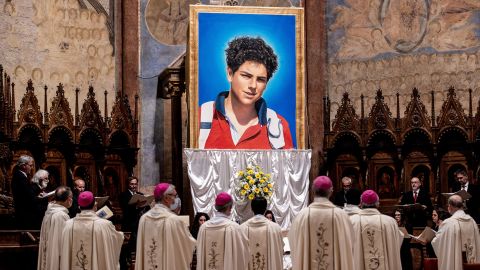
(79, 185)
(455, 202)
(64, 196)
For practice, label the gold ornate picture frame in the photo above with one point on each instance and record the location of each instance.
(213, 27)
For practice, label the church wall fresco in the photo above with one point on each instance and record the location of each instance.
(52, 42)
(398, 45)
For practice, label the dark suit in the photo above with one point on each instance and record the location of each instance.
(352, 196)
(473, 203)
(27, 211)
(131, 217)
(131, 214)
(417, 217)
(74, 209)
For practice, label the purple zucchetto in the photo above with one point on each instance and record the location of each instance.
(160, 190)
(369, 197)
(223, 198)
(85, 198)
(322, 183)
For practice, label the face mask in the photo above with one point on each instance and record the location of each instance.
(176, 204)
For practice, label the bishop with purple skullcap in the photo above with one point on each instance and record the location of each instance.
(369, 197)
(160, 190)
(322, 183)
(223, 198)
(85, 199)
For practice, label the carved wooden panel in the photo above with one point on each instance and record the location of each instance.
(90, 116)
(450, 163)
(29, 112)
(346, 118)
(417, 164)
(60, 113)
(121, 114)
(416, 115)
(347, 165)
(380, 116)
(56, 165)
(452, 113)
(382, 176)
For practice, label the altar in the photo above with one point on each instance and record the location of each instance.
(213, 171)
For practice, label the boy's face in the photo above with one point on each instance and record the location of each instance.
(248, 82)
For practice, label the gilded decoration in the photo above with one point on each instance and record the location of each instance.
(258, 261)
(81, 257)
(152, 255)
(321, 252)
(212, 256)
(373, 253)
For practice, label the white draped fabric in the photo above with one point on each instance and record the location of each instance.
(213, 171)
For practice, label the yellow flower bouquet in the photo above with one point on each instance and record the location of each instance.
(253, 182)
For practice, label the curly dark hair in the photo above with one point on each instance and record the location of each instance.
(242, 49)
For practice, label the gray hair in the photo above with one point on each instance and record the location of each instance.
(223, 208)
(169, 191)
(346, 179)
(24, 159)
(62, 193)
(39, 175)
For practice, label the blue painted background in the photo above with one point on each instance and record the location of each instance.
(217, 29)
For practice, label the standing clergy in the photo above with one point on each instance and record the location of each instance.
(163, 239)
(264, 238)
(377, 237)
(321, 234)
(90, 242)
(52, 227)
(457, 235)
(221, 244)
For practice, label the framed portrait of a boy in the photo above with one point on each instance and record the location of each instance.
(246, 85)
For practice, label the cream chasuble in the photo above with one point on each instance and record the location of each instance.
(163, 241)
(51, 237)
(377, 241)
(90, 242)
(321, 238)
(221, 245)
(457, 234)
(265, 243)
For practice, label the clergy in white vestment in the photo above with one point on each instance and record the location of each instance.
(377, 237)
(52, 228)
(163, 239)
(353, 207)
(264, 238)
(90, 242)
(221, 244)
(456, 235)
(321, 234)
